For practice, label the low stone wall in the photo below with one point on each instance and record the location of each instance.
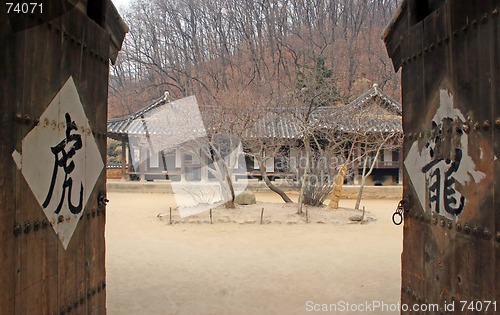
(113, 173)
(163, 186)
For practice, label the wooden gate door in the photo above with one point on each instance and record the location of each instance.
(450, 55)
(53, 94)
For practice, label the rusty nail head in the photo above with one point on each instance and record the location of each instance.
(75, 304)
(82, 300)
(467, 229)
(497, 122)
(476, 126)
(93, 213)
(486, 234)
(89, 293)
(70, 307)
(486, 124)
(459, 227)
(45, 223)
(36, 225)
(60, 218)
(17, 230)
(88, 215)
(475, 231)
(19, 117)
(450, 225)
(498, 237)
(434, 220)
(63, 311)
(442, 223)
(466, 128)
(27, 227)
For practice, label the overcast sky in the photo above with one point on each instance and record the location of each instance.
(121, 3)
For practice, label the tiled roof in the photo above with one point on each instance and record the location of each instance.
(373, 111)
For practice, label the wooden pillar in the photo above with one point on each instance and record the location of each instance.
(357, 153)
(183, 167)
(142, 164)
(124, 158)
(204, 168)
(130, 159)
(400, 166)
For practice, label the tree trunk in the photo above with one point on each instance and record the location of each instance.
(230, 203)
(362, 186)
(276, 189)
(305, 178)
(365, 175)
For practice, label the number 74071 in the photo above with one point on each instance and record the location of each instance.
(478, 306)
(24, 7)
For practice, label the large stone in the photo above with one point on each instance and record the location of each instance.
(246, 198)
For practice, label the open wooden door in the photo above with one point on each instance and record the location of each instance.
(450, 58)
(54, 62)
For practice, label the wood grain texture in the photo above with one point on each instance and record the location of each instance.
(40, 276)
(455, 48)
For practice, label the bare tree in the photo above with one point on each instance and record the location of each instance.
(266, 140)
(217, 49)
(374, 143)
(316, 88)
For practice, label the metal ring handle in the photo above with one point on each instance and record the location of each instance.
(394, 218)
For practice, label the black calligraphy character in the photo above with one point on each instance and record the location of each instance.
(435, 188)
(451, 204)
(62, 159)
(449, 187)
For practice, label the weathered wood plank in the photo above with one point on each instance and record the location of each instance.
(450, 84)
(9, 179)
(494, 64)
(39, 274)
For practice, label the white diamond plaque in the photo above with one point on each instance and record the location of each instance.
(61, 162)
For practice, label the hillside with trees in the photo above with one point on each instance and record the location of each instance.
(240, 54)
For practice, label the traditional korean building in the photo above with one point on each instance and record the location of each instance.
(146, 133)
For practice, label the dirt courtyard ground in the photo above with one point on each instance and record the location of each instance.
(228, 268)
